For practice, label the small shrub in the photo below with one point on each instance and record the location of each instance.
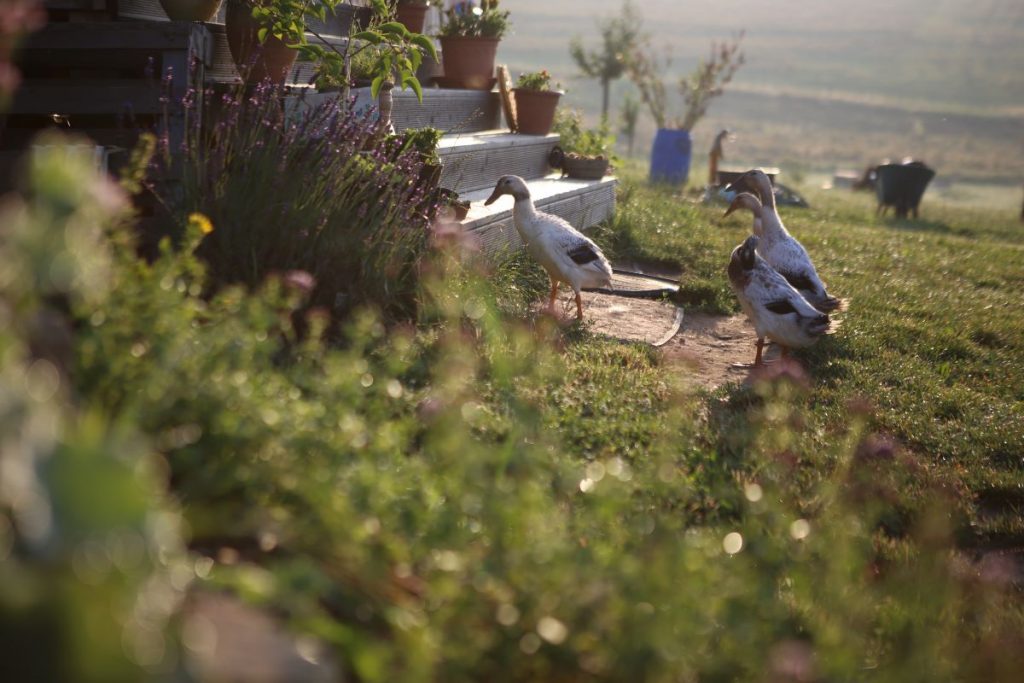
(575, 139)
(535, 80)
(464, 19)
(314, 189)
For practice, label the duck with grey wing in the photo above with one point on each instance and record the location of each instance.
(775, 308)
(566, 254)
(782, 251)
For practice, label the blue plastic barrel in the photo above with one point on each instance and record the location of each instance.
(670, 156)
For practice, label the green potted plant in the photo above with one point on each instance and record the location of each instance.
(393, 53)
(424, 141)
(670, 154)
(583, 153)
(535, 103)
(469, 36)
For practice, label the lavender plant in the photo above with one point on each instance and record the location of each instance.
(311, 188)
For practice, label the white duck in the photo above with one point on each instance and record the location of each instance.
(782, 251)
(774, 307)
(565, 253)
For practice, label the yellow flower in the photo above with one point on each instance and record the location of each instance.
(200, 221)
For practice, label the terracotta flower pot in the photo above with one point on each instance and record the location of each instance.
(535, 110)
(190, 10)
(469, 61)
(273, 59)
(412, 15)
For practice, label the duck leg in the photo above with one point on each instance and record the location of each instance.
(760, 346)
(551, 299)
(579, 306)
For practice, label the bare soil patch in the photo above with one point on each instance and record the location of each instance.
(717, 349)
(711, 349)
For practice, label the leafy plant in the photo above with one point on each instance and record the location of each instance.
(575, 139)
(470, 20)
(424, 141)
(313, 189)
(697, 88)
(535, 80)
(619, 39)
(396, 52)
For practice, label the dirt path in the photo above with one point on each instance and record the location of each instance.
(718, 349)
(713, 349)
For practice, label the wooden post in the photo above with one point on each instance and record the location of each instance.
(716, 153)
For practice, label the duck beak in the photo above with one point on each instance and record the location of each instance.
(494, 196)
(732, 207)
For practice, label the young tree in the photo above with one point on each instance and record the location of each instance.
(630, 114)
(620, 36)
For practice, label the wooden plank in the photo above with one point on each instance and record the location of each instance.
(105, 131)
(142, 9)
(477, 161)
(82, 96)
(452, 111)
(508, 102)
(78, 5)
(167, 35)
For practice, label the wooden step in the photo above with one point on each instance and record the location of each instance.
(451, 111)
(475, 161)
(584, 203)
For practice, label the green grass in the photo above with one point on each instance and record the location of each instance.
(931, 340)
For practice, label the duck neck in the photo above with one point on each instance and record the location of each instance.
(523, 212)
(771, 223)
(767, 193)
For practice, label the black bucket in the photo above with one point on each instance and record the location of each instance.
(901, 186)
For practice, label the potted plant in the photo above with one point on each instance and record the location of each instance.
(190, 10)
(412, 14)
(393, 52)
(535, 103)
(470, 34)
(424, 141)
(258, 32)
(670, 154)
(581, 153)
(450, 206)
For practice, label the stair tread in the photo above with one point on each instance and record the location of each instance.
(542, 190)
(471, 142)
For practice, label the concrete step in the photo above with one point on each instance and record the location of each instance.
(584, 203)
(475, 161)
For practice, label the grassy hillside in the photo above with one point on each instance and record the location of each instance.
(829, 84)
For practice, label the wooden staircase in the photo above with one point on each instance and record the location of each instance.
(99, 66)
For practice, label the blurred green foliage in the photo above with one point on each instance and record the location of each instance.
(474, 497)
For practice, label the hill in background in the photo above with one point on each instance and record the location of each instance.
(826, 85)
